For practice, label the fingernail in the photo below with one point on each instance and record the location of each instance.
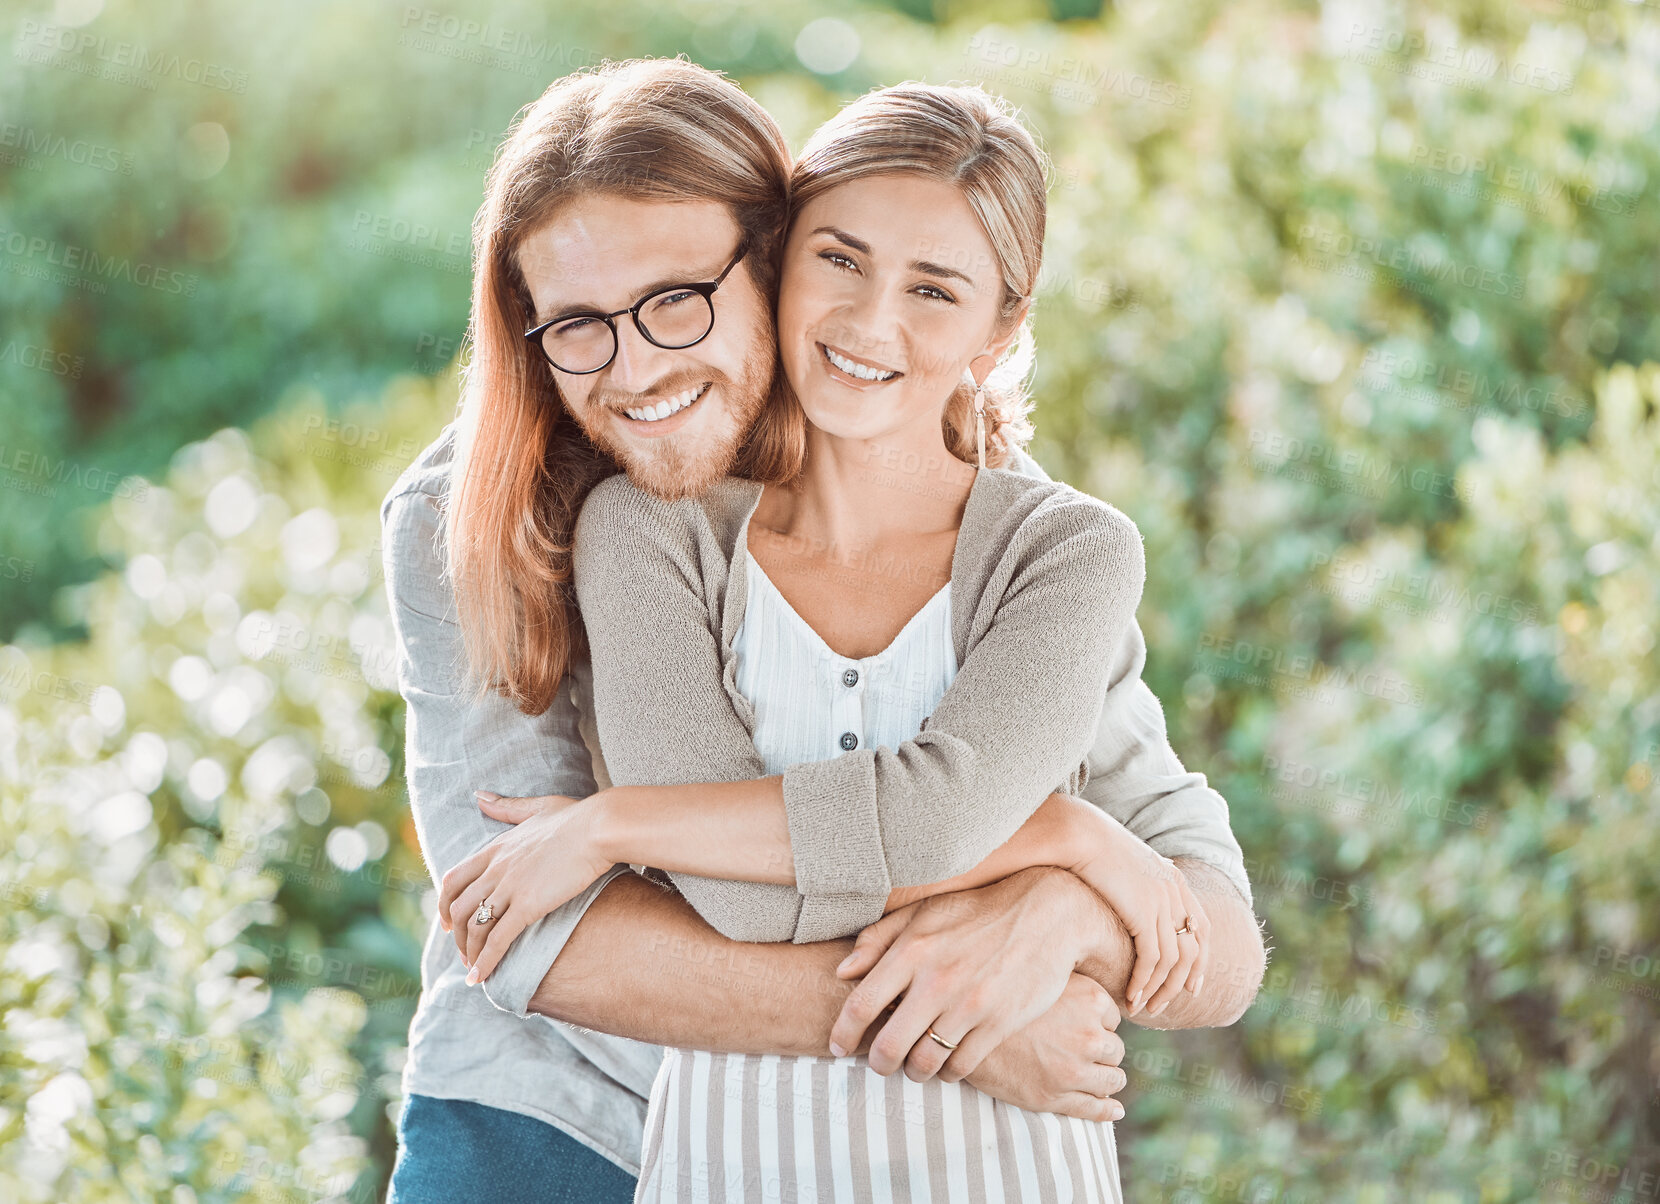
(846, 962)
(486, 795)
(1135, 1000)
(472, 978)
(1200, 985)
(837, 1051)
(1117, 1113)
(1160, 1008)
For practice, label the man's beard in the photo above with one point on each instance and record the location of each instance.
(670, 468)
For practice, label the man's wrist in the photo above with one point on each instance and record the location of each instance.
(1103, 948)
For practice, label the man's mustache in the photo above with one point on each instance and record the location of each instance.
(669, 386)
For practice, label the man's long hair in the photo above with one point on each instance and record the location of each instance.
(647, 129)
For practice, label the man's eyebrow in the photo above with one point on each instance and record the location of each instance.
(578, 307)
(917, 265)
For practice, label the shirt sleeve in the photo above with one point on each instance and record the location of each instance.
(457, 743)
(1136, 777)
(660, 713)
(1018, 719)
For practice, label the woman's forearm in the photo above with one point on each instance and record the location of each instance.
(738, 831)
(732, 830)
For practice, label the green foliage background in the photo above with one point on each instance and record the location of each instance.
(1349, 306)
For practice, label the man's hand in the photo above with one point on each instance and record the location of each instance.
(975, 966)
(1068, 1060)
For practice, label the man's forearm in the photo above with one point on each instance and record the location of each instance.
(643, 964)
(1237, 956)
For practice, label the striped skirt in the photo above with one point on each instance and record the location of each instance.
(759, 1129)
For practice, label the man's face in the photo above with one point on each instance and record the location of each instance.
(604, 253)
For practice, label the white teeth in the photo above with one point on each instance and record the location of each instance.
(858, 370)
(664, 408)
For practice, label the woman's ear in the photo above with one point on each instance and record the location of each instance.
(997, 347)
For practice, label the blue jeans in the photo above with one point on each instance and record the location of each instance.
(458, 1152)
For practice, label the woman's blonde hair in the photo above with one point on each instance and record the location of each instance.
(647, 129)
(970, 138)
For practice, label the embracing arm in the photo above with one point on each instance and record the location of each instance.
(1017, 719)
(737, 830)
(457, 742)
(643, 964)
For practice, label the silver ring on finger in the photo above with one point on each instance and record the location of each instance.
(485, 913)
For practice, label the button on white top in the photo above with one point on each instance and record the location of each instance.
(806, 708)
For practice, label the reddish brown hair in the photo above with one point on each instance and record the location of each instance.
(647, 129)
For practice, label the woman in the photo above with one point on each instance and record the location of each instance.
(901, 736)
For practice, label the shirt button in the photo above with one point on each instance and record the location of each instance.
(849, 741)
(850, 678)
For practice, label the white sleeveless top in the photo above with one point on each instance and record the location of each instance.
(754, 1128)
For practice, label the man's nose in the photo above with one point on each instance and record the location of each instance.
(639, 362)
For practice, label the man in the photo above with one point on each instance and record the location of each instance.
(619, 190)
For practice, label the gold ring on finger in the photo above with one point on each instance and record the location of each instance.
(941, 1040)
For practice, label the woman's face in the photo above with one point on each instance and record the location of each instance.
(889, 289)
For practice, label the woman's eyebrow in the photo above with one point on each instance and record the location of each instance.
(917, 265)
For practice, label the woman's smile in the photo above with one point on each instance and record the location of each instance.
(850, 370)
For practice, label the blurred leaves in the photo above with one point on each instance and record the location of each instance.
(1350, 307)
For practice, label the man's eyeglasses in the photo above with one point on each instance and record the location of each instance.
(674, 318)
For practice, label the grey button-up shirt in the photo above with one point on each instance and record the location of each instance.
(482, 1043)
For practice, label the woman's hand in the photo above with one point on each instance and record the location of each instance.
(546, 860)
(1151, 896)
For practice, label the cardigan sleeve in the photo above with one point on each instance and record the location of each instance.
(660, 709)
(1016, 723)
(1018, 719)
